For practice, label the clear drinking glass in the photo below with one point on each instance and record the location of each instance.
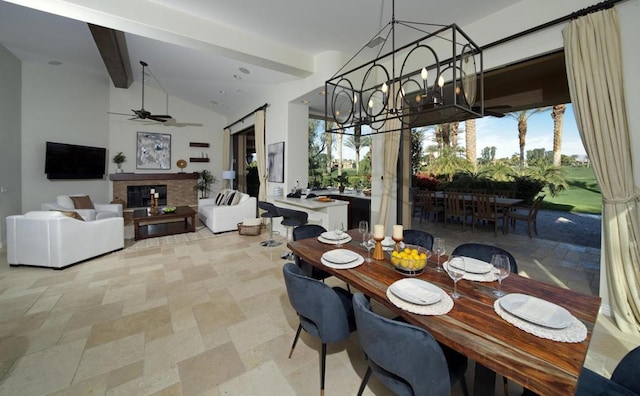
(369, 243)
(501, 269)
(338, 229)
(439, 249)
(363, 227)
(456, 271)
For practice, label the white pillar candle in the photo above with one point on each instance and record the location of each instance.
(156, 195)
(397, 231)
(378, 231)
(153, 190)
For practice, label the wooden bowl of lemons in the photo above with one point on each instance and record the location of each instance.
(409, 259)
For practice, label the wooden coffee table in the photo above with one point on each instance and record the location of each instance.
(149, 225)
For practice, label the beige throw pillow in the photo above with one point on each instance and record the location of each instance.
(82, 202)
(70, 213)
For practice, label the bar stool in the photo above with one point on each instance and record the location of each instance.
(291, 219)
(271, 212)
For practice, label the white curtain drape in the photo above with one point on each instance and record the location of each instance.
(259, 125)
(391, 149)
(594, 71)
(226, 148)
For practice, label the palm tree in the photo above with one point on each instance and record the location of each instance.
(470, 142)
(522, 117)
(357, 142)
(328, 142)
(448, 163)
(557, 113)
(453, 133)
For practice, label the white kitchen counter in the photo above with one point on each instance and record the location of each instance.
(325, 214)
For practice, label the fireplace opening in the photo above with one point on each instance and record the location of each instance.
(140, 196)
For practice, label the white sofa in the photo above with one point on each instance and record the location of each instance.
(221, 218)
(101, 211)
(52, 239)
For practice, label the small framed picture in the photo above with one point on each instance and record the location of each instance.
(275, 162)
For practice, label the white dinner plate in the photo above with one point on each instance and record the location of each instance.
(416, 291)
(475, 266)
(331, 235)
(536, 310)
(340, 256)
(353, 264)
(333, 241)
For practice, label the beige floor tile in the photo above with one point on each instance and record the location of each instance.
(42, 372)
(164, 353)
(110, 356)
(209, 369)
(264, 380)
(253, 332)
(129, 325)
(147, 384)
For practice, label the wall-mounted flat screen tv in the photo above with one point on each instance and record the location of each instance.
(70, 161)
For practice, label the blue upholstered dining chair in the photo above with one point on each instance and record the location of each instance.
(304, 232)
(625, 379)
(484, 252)
(418, 237)
(407, 359)
(324, 312)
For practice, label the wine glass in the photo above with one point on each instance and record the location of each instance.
(363, 227)
(501, 269)
(338, 228)
(369, 243)
(439, 248)
(456, 271)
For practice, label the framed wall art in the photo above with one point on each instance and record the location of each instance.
(153, 151)
(275, 162)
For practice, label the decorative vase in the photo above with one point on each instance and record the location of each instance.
(341, 188)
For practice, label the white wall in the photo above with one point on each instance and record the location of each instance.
(66, 105)
(10, 183)
(123, 133)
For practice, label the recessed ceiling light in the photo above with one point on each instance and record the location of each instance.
(304, 101)
(55, 63)
(244, 70)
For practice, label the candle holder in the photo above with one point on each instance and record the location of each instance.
(397, 241)
(378, 253)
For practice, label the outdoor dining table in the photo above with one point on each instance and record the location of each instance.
(473, 327)
(502, 202)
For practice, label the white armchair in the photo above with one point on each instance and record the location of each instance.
(221, 218)
(52, 239)
(100, 211)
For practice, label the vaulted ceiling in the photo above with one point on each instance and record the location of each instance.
(221, 55)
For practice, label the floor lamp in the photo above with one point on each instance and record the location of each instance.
(229, 175)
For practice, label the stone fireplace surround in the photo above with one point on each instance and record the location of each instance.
(181, 189)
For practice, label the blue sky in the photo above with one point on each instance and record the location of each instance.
(503, 133)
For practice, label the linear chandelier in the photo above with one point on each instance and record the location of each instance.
(440, 80)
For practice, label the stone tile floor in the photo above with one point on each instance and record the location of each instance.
(209, 315)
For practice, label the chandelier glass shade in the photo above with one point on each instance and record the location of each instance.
(435, 79)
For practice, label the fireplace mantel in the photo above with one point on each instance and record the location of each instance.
(152, 176)
(181, 187)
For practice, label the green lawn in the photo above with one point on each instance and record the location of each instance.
(583, 194)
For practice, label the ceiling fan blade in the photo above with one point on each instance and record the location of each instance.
(157, 118)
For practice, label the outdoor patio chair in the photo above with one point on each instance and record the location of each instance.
(528, 214)
(455, 207)
(485, 209)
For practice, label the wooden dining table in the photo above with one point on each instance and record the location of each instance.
(472, 327)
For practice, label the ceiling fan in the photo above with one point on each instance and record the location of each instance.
(145, 115)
